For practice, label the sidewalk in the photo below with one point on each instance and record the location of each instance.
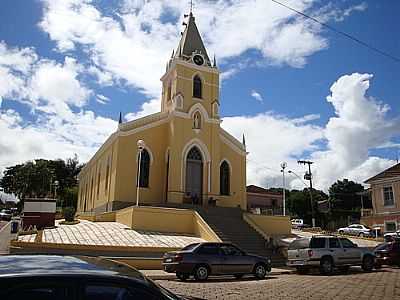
(161, 275)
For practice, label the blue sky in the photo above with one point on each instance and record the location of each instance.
(67, 68)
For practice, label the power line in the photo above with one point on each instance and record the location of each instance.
(340, 32)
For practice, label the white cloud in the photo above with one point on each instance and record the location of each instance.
(133, 43)
(256, 95)
(147, 108)
(52, 137)
(102, 99)
(360, 124)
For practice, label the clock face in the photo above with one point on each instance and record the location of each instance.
(198, 60)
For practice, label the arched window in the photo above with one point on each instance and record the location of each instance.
(197, 120)
(144, 169)
(197, 86)
(194, 154)
(224, 177)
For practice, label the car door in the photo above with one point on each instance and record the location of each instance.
(395, 253)
(336, 250)
(210, 255)
(351, 253)
(234, 261)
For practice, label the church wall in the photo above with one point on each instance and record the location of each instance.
(155, 139)
(237, 180)
(210, 82)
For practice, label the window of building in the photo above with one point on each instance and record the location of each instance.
(388, 198)
(197, 120)
(390, 226)
(107, 175)
(224, 179)
(144, 169)
(197, 87)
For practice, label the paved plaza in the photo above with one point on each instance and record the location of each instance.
(383, 285)
(110, 234)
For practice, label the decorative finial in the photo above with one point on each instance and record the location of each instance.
(120, 118)
(215, 62)
(191, 7)
(244, 141)
(173, 53)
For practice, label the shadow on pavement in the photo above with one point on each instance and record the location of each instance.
(224, 279)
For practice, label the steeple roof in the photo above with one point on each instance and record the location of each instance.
(191, 41)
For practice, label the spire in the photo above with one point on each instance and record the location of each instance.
(244, 141)
(215, 62)
(120, 118)
(191, 41)
(173, 53)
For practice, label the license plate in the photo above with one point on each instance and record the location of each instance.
(168, 260)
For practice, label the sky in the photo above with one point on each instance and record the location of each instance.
(295, 89)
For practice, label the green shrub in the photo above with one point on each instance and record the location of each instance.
(69, 214)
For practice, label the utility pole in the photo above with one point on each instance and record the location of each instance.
(283, 166)
(308, 176)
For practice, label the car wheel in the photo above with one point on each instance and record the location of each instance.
(201, 273)
(341, 232)
(260, 271)
(326, 266)
(182, 276)
(302, 270)
(238, 276)
(344, 269)
(368, 263)
(361, 235)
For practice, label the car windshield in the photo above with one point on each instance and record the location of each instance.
(299, 244)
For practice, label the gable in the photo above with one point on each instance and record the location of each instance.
(386, 174)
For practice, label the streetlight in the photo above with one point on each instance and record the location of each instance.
(283, 166)
(310, 192)
(140, 144)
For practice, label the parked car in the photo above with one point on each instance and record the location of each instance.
(204, 259)
(5, 216)
(391, 236)
(51, 277)
(328, 252)
(388, 254)
(297, 223)
(356, 229)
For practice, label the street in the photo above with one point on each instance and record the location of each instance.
(382, 284)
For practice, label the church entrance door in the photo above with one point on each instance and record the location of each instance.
(194, 175)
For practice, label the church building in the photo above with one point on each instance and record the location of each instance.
(178, 155)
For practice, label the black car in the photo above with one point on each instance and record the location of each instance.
(204, 259)
(388, 254)
(51, 277)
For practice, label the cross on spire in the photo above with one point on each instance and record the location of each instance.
(191, 7)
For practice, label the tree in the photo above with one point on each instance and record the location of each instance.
(35, 179)
(343, 195)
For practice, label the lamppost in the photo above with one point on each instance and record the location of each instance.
(310, 192)
(283, 166)
(140, 144)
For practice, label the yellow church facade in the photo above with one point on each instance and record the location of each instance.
(186, 156)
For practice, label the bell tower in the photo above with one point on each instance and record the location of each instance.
(191, 78)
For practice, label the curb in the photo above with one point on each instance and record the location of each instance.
(171, 276)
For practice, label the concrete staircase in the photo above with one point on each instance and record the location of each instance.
(229, 225)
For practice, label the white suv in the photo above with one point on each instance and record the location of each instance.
(356, 229)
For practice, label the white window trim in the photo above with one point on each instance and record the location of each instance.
(383, 196)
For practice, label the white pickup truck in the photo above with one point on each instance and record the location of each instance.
(328, 252)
